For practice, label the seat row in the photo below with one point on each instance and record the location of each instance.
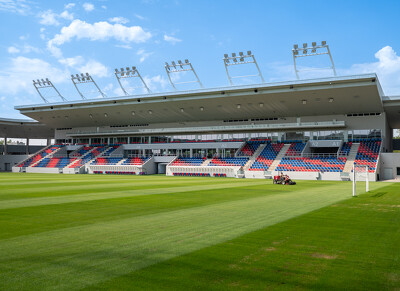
(192, 174)
(188, 161)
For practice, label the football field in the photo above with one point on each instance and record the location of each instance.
(69, 232)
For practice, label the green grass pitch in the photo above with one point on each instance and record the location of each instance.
(102, 232)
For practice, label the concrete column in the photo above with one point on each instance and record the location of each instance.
(27, 146)
(49, 141)
(90, 140)
(346, 136)
(129, 139)
(280, 134)
(5, 146)
(149, 139)
(108, 140)
(191, 153)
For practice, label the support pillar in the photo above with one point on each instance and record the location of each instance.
(49, 141)
(191, 153)
(27, 146)
(5, 146)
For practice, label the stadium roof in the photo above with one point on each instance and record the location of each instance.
(392, 109)
(22, 128)
(325, 96)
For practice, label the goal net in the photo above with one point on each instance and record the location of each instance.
(360, 174)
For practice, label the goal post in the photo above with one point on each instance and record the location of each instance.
(360, 173)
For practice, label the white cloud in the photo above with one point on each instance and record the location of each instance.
(104, 7)
(26, 48)
(97, 31)
(72, 62)
(140, 17)
(23, 49)
(13, 50)
(171, 39)
(120, 20)
(69, 5)
(95, 68)
(88, 6)
(387, 67)
(125, 46)
(23, 70)
(48, 17)
(66, 15)
(143, 55)
(156, 83)
(15, 6)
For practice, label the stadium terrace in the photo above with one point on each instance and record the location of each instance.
(312, 129)
(316, 129)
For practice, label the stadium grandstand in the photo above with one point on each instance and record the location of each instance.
(315, 129)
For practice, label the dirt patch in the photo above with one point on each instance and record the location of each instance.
(324, 256)
(270, 249)
(235, 267)
(393, 277)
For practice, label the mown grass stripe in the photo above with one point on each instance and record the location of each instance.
(76, 257)
(28, 202)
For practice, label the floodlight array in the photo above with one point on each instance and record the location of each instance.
(42, 84)
(129, 72)
(240, 59)
(313, 50)
(82, 79)
(179, 67)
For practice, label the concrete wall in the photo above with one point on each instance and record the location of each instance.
(10, 160)
(389, 162)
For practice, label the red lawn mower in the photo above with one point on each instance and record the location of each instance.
(283, 180)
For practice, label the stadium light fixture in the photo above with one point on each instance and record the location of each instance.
(84, 79)
(42, 84)
(240, 60)
(314, 50)
(130, 73)
(179, 68)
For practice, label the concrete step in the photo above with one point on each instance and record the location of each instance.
(206, 162)
(351, 158)
(254, 157)
(279, 157)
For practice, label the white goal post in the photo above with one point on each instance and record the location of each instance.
(360, 173)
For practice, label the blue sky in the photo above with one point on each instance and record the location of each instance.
(53, 39)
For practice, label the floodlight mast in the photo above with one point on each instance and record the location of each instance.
(129, 73)
(314, 47)
(84, 78)
(181, 67)
(41, 84)
(243, 59)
